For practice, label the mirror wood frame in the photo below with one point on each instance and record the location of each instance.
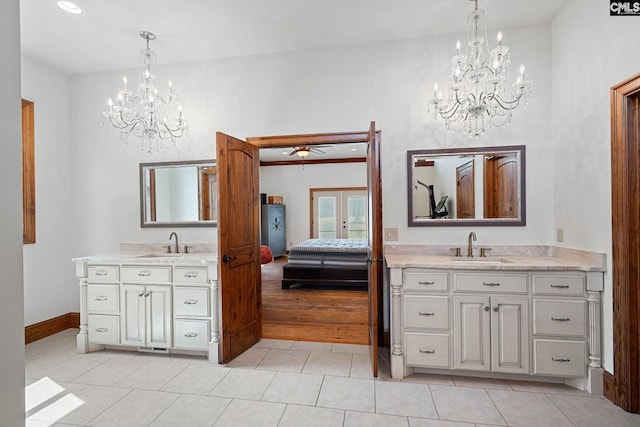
(521, 220)
(169, 224)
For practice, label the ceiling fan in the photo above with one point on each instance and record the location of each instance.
(304, 150)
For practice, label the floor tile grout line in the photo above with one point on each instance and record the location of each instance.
(560, 409)
(110, 406)
(179, 395)
(496, 406)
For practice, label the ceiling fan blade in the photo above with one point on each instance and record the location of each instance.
(317, 150)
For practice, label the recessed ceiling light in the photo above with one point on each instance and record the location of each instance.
(285, 152)
(354, 149)
(70, 7)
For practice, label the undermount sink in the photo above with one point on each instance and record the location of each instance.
(479, 260)
(158, 256)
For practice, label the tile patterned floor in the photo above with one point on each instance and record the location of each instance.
(283, 383)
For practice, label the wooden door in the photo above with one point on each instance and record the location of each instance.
(208, 194)
(510, 335)
(465, 195)
(374, 198)
(501, 186)
(623, 385)
(238, 245)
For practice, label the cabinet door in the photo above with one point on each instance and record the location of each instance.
(158, 328)
(133, 315)
(510, 335)
(472, 331)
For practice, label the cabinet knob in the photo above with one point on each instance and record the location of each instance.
(487, 309)
(495, 309)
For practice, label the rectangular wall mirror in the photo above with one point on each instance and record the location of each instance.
(178, 194)
(467, 186)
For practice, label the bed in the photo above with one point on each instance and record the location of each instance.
(329, 263)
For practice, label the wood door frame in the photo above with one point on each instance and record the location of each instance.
(282, 141)
(623, 386)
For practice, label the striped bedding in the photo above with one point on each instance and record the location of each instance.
(329, 253)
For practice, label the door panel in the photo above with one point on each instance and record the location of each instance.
(472, 332)
(465, 196)
(374, 201)
(133, 310)
(501, 187)
(510, 335)
(158, 300)
(239, 245)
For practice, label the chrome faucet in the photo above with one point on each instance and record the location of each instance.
(472, 235)
(171, 236)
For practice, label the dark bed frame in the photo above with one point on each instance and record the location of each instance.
(318, 276)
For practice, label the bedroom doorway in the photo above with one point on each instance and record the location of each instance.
(374, 213)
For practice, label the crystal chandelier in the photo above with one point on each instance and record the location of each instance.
(146, 113)
(477, 94)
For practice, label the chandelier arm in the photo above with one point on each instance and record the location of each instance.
(504, 104)
(175, 133)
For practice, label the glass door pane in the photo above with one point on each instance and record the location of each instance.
(327, 217)
(355, 220)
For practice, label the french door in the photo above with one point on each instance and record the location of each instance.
(339, 213)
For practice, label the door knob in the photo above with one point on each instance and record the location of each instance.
(227, 258)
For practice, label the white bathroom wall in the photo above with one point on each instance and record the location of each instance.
(50, 287)
(294, 182)
(581, 128)
(11, 294)
(328, 90)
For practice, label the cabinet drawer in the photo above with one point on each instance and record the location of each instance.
(428, 312)
(561, 358)
(430, 350)
(103, 298)
(191, 334)
(191, 302)
(146, 274)
(558, 285)
(503, 283)
(561, 318)
(102, 273)
(426, 281)
(191, 275)
(104, 329)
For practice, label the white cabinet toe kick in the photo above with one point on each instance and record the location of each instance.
(168, 307)
(542, 325)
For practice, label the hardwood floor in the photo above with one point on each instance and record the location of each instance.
(311, 314)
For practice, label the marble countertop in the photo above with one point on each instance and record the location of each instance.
(199, 258)
(539, 258)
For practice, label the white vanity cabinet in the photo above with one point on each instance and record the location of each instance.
(164, 305)
(501, 323)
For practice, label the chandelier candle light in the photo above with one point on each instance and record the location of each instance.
(144, 113)
(476, 88)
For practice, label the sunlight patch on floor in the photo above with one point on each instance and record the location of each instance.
(45, 405)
